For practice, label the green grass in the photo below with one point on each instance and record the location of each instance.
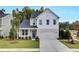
(19, 44)
(65, 42)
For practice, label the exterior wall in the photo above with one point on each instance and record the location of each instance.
(33, 20)
(20, 33)
(55, 28)
(29, 32)
(6, 25)
(44, 16)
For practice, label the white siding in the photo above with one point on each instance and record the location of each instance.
(51, 30)
(44, 16)
(6, 25)
(47, 34)
(33, 20)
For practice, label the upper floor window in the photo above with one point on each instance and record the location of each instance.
(34, 22)
(54, 22)
(40, 22)
(47, 22)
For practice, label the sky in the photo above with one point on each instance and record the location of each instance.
(66, 13)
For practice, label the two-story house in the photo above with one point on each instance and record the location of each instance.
(42, 24)
(5, 24)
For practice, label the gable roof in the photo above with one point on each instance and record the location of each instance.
(35, 14)
(3, 15)
(52, 12)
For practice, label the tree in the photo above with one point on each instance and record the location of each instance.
(27, 12)
(17, 17)
(42, 9)
(14, 13)
(64, 34)
(61, 34)
(12, 33)
(67, 34)
(76, 25)
(64, 25)
(2, 11)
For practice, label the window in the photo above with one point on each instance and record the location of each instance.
(26, 32)
(54, 22)
(47, 22)
(33, 24)
(40, 22)
(22, 32)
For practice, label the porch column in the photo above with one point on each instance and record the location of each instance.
(29, 32)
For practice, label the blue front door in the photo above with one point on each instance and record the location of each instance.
(33, 34)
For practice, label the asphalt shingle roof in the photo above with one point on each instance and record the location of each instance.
(35, 14)
(25, 24)
(2, 15)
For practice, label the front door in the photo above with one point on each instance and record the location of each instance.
(33, 34)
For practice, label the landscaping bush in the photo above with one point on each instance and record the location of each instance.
(1, 37)
(78, 33)
(12, 34)
(19, 37)
(22, 38)
(61, 34)
(26, 38)
(29, 38)
(64, 34)
(67, 34)
(37, 38)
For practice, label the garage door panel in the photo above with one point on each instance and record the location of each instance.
(47, 34)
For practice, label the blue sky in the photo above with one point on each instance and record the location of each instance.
(66, 13)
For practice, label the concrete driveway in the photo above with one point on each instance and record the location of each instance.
(53, 45)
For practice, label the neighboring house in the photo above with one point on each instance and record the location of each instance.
(42, 24)
(5, 24)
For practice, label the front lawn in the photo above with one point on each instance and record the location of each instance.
(19, 44)
(65, 42)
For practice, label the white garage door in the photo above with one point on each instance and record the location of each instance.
(47, 34)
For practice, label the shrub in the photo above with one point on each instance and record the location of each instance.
(67, 34)
(61, 34)
(22, 38)
(1, 37)
(78, 33)
(26, 38)
(37, 38)
(19, 37)
(73, 41)
(64, 34)
(12, 33)
(29, 38)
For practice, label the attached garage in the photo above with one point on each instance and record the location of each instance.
(47, 34)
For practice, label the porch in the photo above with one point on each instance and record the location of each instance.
(27, 32)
